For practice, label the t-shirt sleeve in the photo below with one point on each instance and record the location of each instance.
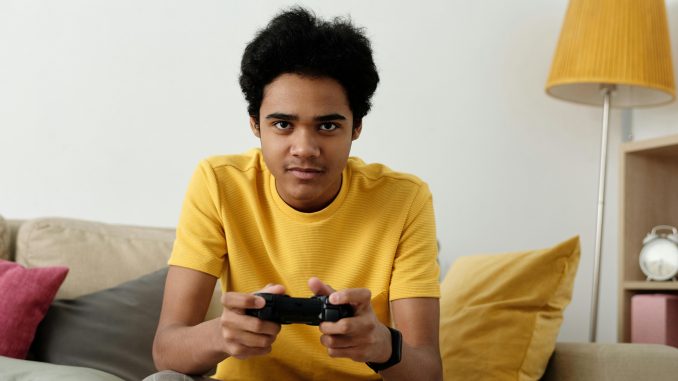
(200, 242)
(415, 269)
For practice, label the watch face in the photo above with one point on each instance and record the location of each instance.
(659, 259)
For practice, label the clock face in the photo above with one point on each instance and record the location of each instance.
(659, 259)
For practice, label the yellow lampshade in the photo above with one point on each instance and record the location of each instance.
(618, 42)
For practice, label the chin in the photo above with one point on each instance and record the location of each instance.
(304, 197)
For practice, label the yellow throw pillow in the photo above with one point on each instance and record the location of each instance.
(500, 314)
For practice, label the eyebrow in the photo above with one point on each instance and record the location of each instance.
(292, 117)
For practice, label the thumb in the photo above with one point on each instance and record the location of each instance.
(270, 288)
(318, 287)
(273, 288)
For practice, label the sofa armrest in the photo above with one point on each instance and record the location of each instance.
(612, 362)
(25, 370)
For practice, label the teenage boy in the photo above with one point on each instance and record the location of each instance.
(299, 215)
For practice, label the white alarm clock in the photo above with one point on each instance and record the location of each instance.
(659, 255)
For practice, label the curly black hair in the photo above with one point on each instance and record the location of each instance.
(296, 41)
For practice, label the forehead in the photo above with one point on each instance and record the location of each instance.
(294, 92)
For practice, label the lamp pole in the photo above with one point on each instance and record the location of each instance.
(606, 90)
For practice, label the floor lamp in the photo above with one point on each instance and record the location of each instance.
(612, 53)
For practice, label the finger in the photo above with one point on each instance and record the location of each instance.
(241, 301)
(345, 326)
(242, 352)
(272, 288)
(318, 287)
(359, 298)
(337, 341)
(235, 321)
(248, 339)
(353, 353)
(256, 325)
(241, 343)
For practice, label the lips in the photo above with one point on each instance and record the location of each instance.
(303, 173)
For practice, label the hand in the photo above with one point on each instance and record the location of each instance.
(243, 335)
(362, 338)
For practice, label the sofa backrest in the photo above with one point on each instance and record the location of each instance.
(5, 238)
(98, 255)
(13, 230)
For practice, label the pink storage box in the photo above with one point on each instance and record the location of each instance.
(654, 319)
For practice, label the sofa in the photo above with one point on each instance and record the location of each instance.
(99, 323)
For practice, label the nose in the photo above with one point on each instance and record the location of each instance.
(304, 143)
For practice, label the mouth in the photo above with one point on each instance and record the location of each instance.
(303, 173)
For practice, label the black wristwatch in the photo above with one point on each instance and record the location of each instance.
(396, 352)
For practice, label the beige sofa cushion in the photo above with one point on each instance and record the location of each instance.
(612, 362)
(4, 239)
(98, 255)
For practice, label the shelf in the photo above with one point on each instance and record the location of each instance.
(664, 146)
(656, 286)
(648, 197)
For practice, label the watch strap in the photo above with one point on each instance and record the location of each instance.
(396, 352)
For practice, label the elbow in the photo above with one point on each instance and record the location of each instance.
(436, 366)
(436, 370)
(438, 373)
(157, 353)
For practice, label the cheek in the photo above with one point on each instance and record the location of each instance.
(271, 151)
(340, 155)
(271, 145)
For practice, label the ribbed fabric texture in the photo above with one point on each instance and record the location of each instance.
(622, 42)
(379, 233)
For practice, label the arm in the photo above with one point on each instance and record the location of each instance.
(181, 337)
(415, 314)
(418, 320)
(186, 344)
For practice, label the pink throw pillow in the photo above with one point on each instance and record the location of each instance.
(25, 297)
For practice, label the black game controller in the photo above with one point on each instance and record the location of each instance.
(284, 309)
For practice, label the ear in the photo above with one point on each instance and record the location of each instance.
(357, 129)
(254, 125)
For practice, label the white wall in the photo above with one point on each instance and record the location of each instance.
(106, 107)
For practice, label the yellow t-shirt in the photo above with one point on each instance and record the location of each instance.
(378, 233)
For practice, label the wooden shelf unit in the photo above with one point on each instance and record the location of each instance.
(648, 197)
(651, 286)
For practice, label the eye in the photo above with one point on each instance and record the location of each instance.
(282, 125)
(328, 127)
